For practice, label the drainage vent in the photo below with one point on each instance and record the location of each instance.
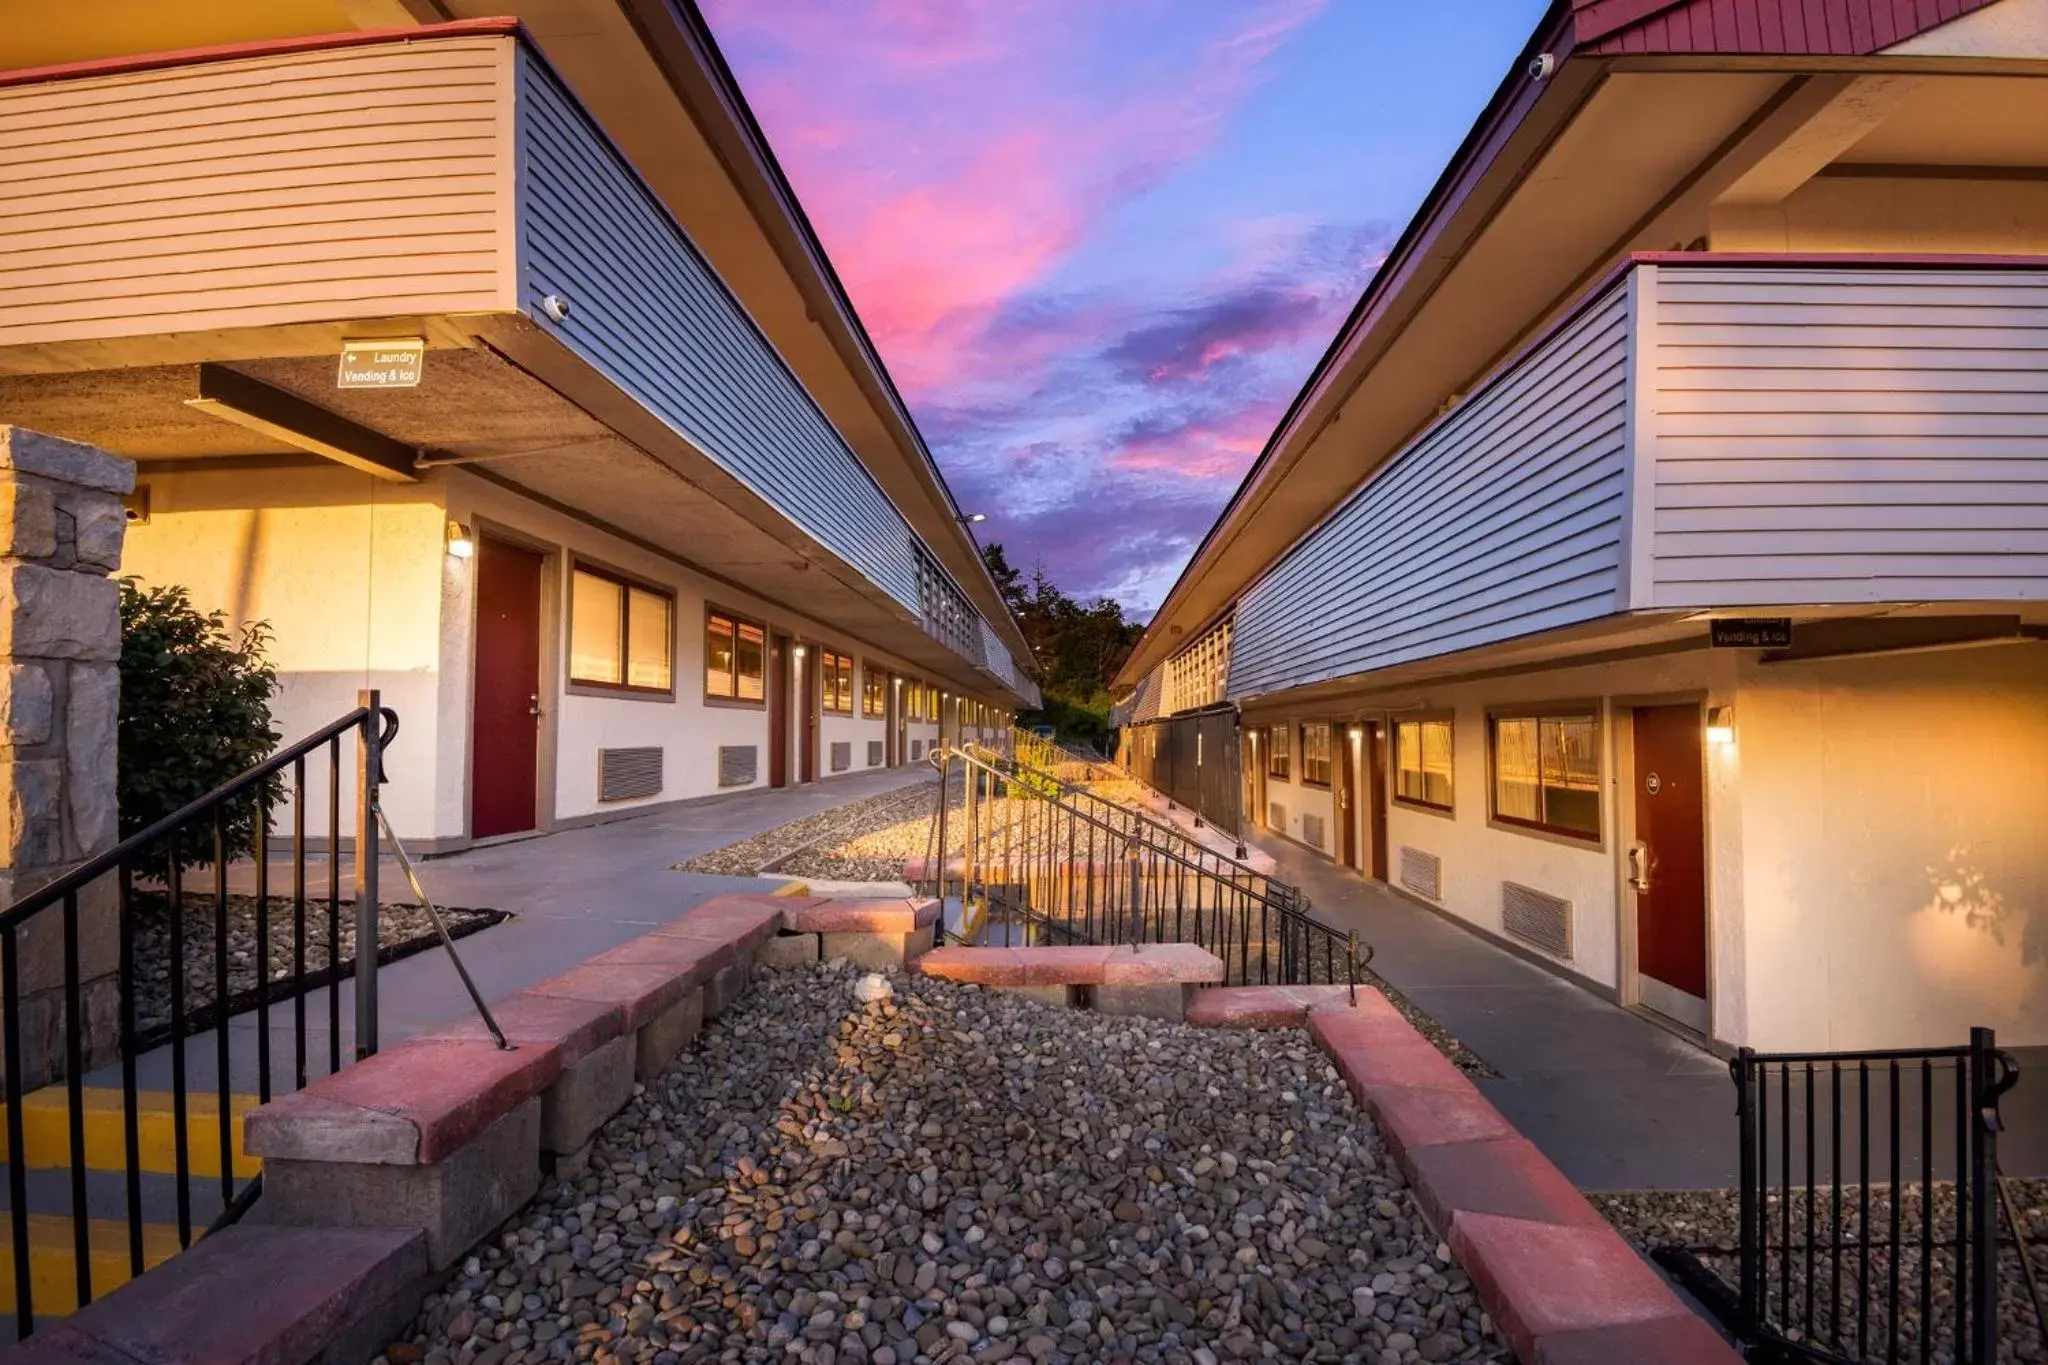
(1422, 873)
(737, 764)
(623, 774)
(1537, 918)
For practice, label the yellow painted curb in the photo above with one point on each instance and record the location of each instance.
(46, 1132)
(53, 1259)
(792, 889)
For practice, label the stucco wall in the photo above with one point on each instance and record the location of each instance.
(1895, 877)
(347, 572)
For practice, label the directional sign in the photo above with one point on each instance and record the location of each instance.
(383, 363)
(1751, 632)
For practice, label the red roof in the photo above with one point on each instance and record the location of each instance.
(1840, 28)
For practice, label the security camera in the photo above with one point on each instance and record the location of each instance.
(1542, 67)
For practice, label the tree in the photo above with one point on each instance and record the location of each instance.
(1079, 647)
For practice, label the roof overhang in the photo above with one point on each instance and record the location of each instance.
(1576, 163)
(649, 72)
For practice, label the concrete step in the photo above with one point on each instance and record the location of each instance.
(46, 1131)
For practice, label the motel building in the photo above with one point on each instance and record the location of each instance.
(493, 364)
(1650, 578)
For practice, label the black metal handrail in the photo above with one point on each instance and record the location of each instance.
(255, 794)
(1085, 870)
(1867, 1225)
(1154, 833)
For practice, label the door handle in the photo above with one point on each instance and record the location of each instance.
(533, 705)
(1639, 867)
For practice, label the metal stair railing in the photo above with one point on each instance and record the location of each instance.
(153, 864)
(1020, 845)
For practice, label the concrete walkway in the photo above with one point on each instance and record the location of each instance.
(572, 895)
(1616, 1101)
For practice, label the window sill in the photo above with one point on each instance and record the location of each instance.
(616, 692)
(736, 704)
(1431, 808)
(1582, 842)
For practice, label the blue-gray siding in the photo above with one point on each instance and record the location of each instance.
(1501, 520)
(648, 313)
(1847, 434)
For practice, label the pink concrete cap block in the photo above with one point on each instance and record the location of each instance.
(449, 1090)
(642, 989)
(1683, 1340)
(692, 961)
(1505, 1176)
(1373, 1049)
(1078, 965)
(1264, 1006)
(577, 1027)
(1415, 1118)
(738, 920)
(58, 1343)
(1540, 1279)
(307, 1126)
(895, 915)
(1162, 964)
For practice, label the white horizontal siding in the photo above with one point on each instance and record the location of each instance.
(1503, 519)
(649, 313)
(1848, 434)
(299, 187)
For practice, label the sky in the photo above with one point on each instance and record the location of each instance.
(1101, 244)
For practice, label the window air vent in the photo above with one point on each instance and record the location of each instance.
(623, 774)
(737, 764)
(1537, 918)
(1312, 830)
(916, 750)
(874, 753)
(1276, 816)
(842, 755)
(1422, 873)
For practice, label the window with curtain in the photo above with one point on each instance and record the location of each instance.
(1546, 772)
(1277, 751)
(621, 633)
(835, 674)
(735, 657)
(874, 692)
(1422, 762)
(1315, 754)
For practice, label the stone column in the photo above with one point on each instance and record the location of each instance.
(61, 524)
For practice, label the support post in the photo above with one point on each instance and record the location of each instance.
(369, 774)
(1985, 1088)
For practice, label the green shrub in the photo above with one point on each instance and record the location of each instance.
(195, 712)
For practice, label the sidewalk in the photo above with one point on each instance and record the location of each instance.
(1617, 1102)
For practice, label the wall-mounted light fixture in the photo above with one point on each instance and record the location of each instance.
(1720, 725)
(461, 544)
(798, 651)
(1357, 731)
(971, 518)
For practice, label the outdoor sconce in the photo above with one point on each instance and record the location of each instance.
(798, 651)
(1720, 725)
(461, 544)
(1357, 731)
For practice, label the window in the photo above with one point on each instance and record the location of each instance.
(1315, 754)
(1422, 762)
(874, 692)
(1546, 773)
(1276, 751)
(835, 675)
(734, 655)
(620, 634)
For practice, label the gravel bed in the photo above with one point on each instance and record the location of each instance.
(906, 805)
(402, 930)
(962, 1174)
(1704, 1222)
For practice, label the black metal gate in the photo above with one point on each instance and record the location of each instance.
(1868, 1219)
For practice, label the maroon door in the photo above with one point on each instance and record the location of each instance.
(892, 721)
(778, 711)
(1375, 793)
(1347, 793)
(808, 699)
(505, 725)
(1667, 868)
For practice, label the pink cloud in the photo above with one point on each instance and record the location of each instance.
(981, 159)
